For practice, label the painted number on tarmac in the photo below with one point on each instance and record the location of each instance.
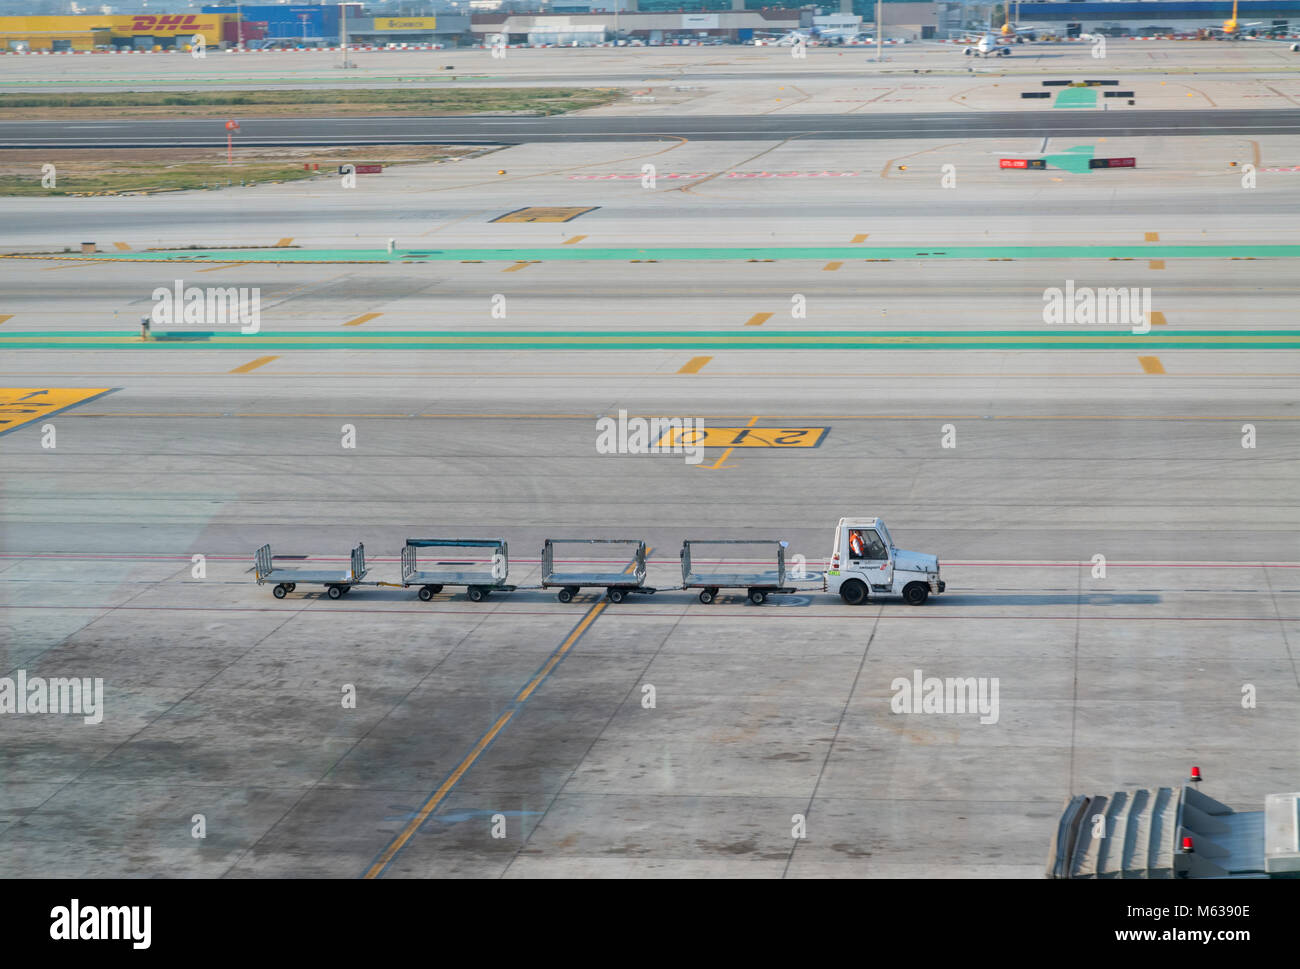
(744, 437)
(22, 405)
(537, 213)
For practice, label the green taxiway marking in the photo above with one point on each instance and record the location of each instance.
(1062, 339)
(1150, 250)
(1076, 97)
(1074, 159)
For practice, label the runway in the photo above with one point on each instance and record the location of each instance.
(127, 133)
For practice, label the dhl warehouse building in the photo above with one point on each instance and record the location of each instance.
(317, 24)
(130, 31)
(222, 26)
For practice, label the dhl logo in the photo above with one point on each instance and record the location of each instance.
(168, 24)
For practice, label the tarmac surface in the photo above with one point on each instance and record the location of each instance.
(496, 130)
(392, 397)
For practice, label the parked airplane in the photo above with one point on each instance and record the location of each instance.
(1233, 29)
(988, 45)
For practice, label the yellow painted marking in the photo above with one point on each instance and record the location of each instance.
(21, 405)
(830, 267)
(1156, 264)
(287, 240)
(437, 797)
(254, 364)
(518, 266)
(1152, 237)
(860, 237)
(122, 247)
(721, 462)
(758, 319)
(1151, 365)
(574, 241)
(542, 213)
(1157, 318)
(440, 794)
(733, 437)
(693, 365)
(364, 318)
(9, 316)
(216, 269)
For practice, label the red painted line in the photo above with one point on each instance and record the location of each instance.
(750, 614)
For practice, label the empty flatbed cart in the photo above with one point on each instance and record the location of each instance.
(617, 585)
(757, 585)
(479, 578)
(286, 580)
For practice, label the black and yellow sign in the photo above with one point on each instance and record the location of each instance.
(541, 213)
(22, 405)
(406, 23)
(744, 437)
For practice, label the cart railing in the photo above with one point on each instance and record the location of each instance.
(780, 553)
(262, 562)
(638, 557)
(500, 553)
(358, 562)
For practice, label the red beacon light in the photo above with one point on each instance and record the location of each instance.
(1196, 775)
(1187, 846)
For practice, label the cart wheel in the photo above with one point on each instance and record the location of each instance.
(707, 596)
(854, 592)
(915, 593)
(566, 594)
(616, 595)
(334, 592)
(757, 596)
(435, 589)
(426, 593)
(476, 594)
(290, 586)
(279, 591)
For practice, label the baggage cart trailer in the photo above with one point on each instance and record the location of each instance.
(617, 585)
(479, 578)
(286, 580)
(757, 585)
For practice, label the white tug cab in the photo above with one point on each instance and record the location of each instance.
(864, 564)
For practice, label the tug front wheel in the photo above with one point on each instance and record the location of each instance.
(915, 593)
